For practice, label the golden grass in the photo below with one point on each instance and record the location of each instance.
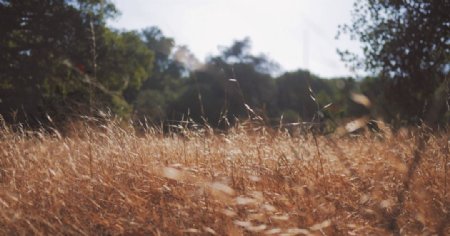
(108, 180)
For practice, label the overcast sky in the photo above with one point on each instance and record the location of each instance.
(294, 33)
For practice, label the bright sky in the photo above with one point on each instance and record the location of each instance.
(294, 33)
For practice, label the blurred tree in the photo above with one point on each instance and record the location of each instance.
(164, 85)
(161, 45)
(246, 80)
(408, 44)
(124, 63)
(35, 38)
(59, 57)
(294, 96)
(151, 105)
(226, 84)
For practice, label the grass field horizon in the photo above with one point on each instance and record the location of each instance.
(250, 180)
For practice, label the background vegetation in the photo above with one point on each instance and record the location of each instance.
(59, 58)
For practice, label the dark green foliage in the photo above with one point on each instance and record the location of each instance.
(58, 57)
(227, 84)
(163, 88)
(34, 39)
(124, 63)
(407, 44)
(294, 95)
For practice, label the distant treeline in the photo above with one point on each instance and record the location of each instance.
(59, 59)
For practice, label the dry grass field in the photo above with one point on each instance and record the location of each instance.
(247, 181)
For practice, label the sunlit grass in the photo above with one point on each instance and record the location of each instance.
(250, 180)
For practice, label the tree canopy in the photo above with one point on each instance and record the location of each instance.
(58, 57)
(407, 44)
